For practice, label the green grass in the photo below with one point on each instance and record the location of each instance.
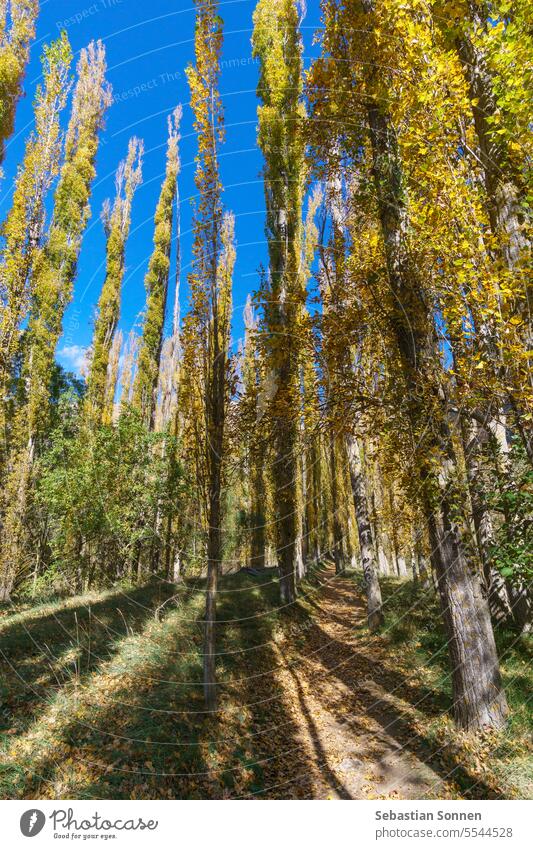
(102, 698)
(413, 631)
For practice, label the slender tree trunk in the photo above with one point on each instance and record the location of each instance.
(383, 560)
(521, 607)
(213, 557)
(284, 474)
(402, 566)
(168, 547)
(304, 523)
(475, 438)
(300, 560)
(338, 547)
(257, 552)
(176, 566)
(524, 429)
(414, 566)
(398, 560)
(418, 555)
(316, 499)
(215, 402)
(41, 544)
(364, 530)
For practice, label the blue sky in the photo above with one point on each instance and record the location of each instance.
(149, 45)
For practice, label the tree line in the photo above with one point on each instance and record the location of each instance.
(378, 411)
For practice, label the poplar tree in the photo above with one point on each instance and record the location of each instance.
(169, 415)
(14, 53)
(479, 699)
(276, 42)
(469, 26)
(24, 226)
(339, 360)
(127, 377)
(309, 419)
(170, 383)
(53, 280)
(112, 378)
(250, 413)
(156, 282)
(355, 36)
(117, 226)
(207, 328)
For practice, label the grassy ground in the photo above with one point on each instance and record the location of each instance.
(415, 637)
(102, 697)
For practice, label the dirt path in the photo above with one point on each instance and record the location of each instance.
(354, 719)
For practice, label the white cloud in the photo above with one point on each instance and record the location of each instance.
(75, 356)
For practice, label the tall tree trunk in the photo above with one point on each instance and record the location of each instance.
(304, 520)
(284, 474)
(418, 555)
(316, 498)
(208, 330)
(213, 558)
(217, 391)
(398, 559)
(257, 552)
(338, 546)
(478, 697)
(364, 530)
(475, 438)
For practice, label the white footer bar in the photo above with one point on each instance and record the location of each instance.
(266, 824)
